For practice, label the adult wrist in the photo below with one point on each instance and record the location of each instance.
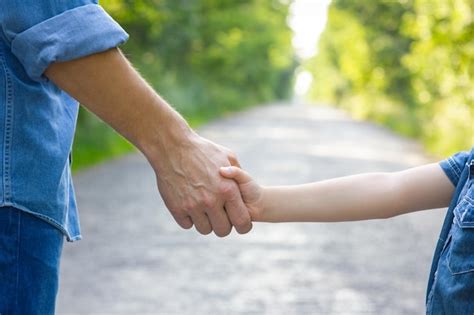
(165, 137)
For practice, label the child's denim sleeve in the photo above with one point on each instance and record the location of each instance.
(454, 165)
(40, 32)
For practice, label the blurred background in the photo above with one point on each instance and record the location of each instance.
(302, 91)
(405, 64)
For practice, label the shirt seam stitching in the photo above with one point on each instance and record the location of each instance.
(2, 68)
(44, 61)
(455, 168)
(56, 224)
(7, 139)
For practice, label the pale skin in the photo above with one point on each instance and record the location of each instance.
(358, 197)
(186, 165)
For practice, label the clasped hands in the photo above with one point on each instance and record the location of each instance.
(194, 191)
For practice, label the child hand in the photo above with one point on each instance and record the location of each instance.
(252, 193)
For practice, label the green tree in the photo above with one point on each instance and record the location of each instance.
(210, 56)
(206, 57)
(406, 64)
(441, 66)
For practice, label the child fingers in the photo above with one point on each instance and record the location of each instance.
(235, 173)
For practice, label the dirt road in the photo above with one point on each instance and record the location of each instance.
(135, 260)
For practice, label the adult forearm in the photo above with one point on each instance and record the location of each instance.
(110, 87)
(186, 165)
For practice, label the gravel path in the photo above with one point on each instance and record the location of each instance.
(135, 260)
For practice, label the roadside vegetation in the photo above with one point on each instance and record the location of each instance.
(207, 58)
(406, 64)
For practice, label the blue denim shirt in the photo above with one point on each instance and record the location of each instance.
(37, 119)
(451, 282)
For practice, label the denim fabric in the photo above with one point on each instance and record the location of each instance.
(451, 283)
(37, 119)
(30, 251)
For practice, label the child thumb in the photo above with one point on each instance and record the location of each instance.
(228, 171)
(235, 173)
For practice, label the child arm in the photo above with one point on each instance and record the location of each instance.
(358, 197)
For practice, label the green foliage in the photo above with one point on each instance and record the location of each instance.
(206, 57)
(95, 142)
(407, 64)
(210, 56)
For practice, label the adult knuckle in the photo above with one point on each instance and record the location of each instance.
(241, 222)
(175, 210)
(189, 205)
(209, 201)
(179, 212)
(226, 189)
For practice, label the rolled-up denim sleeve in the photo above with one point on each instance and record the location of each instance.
(454, 165)
(57, 31)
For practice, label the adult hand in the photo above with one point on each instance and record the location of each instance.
(194, 192)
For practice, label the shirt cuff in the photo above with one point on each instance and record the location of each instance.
(452, 170)
(73, 34)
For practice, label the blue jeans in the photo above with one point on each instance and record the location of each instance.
(30, 251)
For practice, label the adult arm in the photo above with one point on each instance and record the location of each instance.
(74, 44)
(186, 165)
